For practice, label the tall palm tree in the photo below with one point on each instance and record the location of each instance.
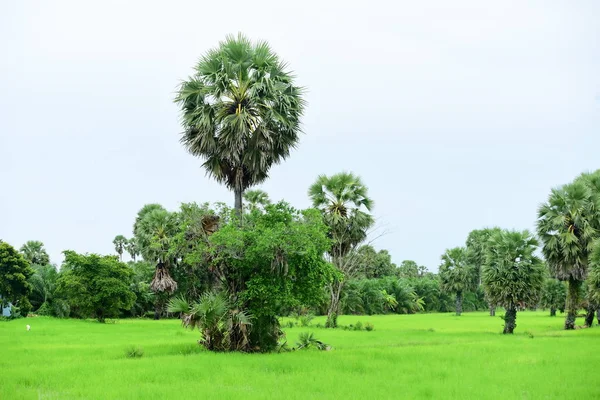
(155, 235)
(120, 242)
(477, 244)
(256, 198)
(512, 275)
(457, 275)
(565, 229)
(343, 200)
(34, 252)
(240, 113)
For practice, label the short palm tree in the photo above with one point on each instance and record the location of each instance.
(512, 275)
(120, 242)
(344, 202)
(256, 198)
(457, 275)
(240, 113)
(34, 252)
(223, 327)
(565, 228)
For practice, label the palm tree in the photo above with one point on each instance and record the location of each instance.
(43, 283)
(565, 229)
(256, 198)
(343, 200)
(155, 234)
(512, 275)
(457, 275)
(34, 252)
(132, 248)
(594, 281)
(240, 113)
(554, 294)
(120, 242)
(476, 244)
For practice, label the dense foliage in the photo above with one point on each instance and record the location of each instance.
(457, 275)
(14, 273)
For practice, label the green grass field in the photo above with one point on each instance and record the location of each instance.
(437, 356)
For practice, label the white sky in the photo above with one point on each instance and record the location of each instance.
(458, 115)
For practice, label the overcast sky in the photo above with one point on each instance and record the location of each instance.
(458, 115)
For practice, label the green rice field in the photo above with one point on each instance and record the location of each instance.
(422, 356)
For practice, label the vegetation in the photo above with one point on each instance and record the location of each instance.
(417, 356)
(96, 286)
(554, 293)
(14, 272)
(457, 276)
(35, 253)
(120, 243)
(344, 203)
(240, 112)
(512, 275)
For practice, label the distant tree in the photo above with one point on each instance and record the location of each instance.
(155, 234)
(240, 112)
(374, 264)
(34, 252)
(343, 200)
(43, 283)
(256, 198)
(409, 269)
(120, 242)
(554, 295)
(477, 245)
(100, 286)
(457, 276)
(132, 248)
(565, 228)
(512, 275)
(14, 274)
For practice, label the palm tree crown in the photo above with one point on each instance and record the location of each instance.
(240, 112)
(34, 252)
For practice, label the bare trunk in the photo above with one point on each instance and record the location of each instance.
(589, 316)
(238, 201)
(459, 299)
(335, 290)
(572, 303)
(492, 311)
(510, 319)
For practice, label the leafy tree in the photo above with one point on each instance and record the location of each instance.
(240, 113)
(554, 294)
(256, 198)
(43, 282)
(374, 264)
(132, 248)
(98, 285)
(34, 252)
(565, 229)
(408, 269)
(120, 242)
(155, 233)
(512, 275)
(14, 274)
(343, 200)
(457, 276)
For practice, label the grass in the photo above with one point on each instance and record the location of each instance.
(437, 356)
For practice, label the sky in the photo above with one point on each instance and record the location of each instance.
(457, 115)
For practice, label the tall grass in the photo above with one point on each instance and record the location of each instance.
(406, 356)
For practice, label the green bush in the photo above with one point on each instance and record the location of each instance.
(134, 352)
(369, 327)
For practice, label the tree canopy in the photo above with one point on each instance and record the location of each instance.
(15, 271)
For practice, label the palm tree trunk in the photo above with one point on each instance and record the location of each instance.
(459, 299)
(572, 303)
(492, 310)
(238, 201)
(589, 316)
(553, 311)
(598, 316)
(510, 319)
(335, 290)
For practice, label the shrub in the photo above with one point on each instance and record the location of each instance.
(306, 319)
(358, 326)
(307, 340)
(369, 326)
(134, 352)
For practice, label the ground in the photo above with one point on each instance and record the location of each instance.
(437, 356)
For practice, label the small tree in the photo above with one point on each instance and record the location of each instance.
(100, 286)
(512, 275)
(554, 295)
(120, 242)
(14, 273)
(457, 276)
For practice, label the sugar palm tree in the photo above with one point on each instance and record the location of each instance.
(594, 280)
(120, 242)
(344, 202)
(132, 248)
(155, 234)
(512, 275)
(256, 198)
(457, 275)
(565, 229)
(554, 294)
(240, 113)
(34, 252)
